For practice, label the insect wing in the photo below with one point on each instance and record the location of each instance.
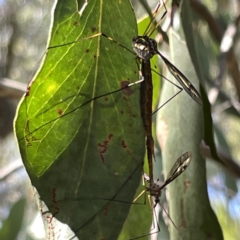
(186, 84)
(179, 167)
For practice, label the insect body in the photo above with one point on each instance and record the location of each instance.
(178, 168)
(154, 188)
(146, 92)
(145, 48)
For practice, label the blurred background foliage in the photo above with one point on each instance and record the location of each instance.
(23, 37)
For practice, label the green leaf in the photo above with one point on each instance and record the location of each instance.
(12, 225)
(84, 156)
(180, 129)
(199, 54)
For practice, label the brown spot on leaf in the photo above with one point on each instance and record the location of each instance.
(106, 210)
(54, 200)
(209, 235)
(93, 29)
(60, 112)
(54, 193)
(75, 23)
(124, 145)
(186, 185)
(102, 147)
(183, 220)
(28, 90)
(125, 88)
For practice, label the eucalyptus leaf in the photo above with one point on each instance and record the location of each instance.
(83, 152)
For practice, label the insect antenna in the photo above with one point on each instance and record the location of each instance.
(153, 24)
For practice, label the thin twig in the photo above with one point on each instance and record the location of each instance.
(11, 89)
(229, 162)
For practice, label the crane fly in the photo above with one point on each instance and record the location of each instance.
(145, 48)
(177, 169)
(155, 189)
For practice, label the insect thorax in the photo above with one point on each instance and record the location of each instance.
(144, 47)
(154, 190)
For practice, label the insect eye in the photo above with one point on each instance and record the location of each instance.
(153, 42)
